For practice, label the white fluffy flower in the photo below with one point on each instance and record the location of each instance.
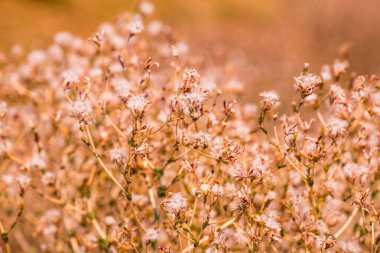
(146, 8)
(326, 73)
(48, 178)
(23, 181)
(151, 235)
(270, 99)
(175, 203)
(337, 127)
(70, 77)
(349, 246)
(137, 102)
(118, 155)
(337, 94)
(205, 188)
(217, 190)
(63, 38)
(136, 26)
(122, 88)
(306, 83)
(37, 57)
(82, 109)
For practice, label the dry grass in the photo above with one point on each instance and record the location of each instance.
(126, 142)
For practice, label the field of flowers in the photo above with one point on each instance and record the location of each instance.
(125, 142)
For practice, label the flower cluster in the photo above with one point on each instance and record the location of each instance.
(127, 148)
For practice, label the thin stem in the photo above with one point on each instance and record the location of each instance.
(320, 117)
(93, 149)
(137, 218)
(3, 236)
(194, 209)
(296, 168)
(205, 238)
(347, 223)
(118, 130)
(202, 153)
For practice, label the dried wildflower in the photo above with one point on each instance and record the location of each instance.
(137, 104)
(242, 199)
(190, 167)
(294, 185)
(205, 188)
(340, 67)
(198, 139)
(307, 83)
(356, 173)
(219, 241)
(217, 190)
(190, 77)
(38, 161)
(37, 58)
(97, 38)
(141, 149)
(122, 88)
(272, 227)
(226, 150)
(259, 167)
(139, 199)
(241, 236)
(70, 78)
(175, 203)
(349, 246)
(118, 155)
(82, 109)
(48, 178)
(325, 242)
(326, 73)
(23, 181)
(237, 171)
(110, 220)
(63, 38)
(151, 235)
(337, 127)
(190, 104)
(146, 8)
(337, 95)
(135, 26)
(50, 231)
(124, 236)
(154, 28)
(359, 83)
(270, 99)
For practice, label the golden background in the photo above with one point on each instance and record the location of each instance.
(275, 36)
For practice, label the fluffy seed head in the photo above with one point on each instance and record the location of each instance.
(306, 83)
(137, 102)
(270, 99)
(82, 109)
(337, 127)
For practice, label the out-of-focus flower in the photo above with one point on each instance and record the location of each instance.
(136, 26)
(118, 155)
(340, 67)
(307, 83)
(146, 8)
(82, 109)
(337, 127)
(270, 99)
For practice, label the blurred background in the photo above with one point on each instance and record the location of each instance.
(273, 37)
